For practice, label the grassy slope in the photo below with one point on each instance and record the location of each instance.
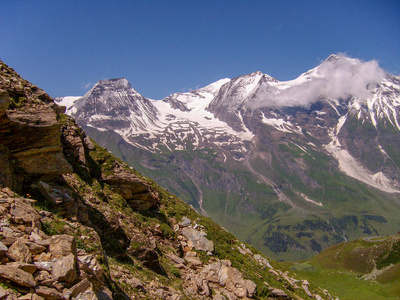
(342, 269)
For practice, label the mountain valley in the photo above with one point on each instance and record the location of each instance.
(290, 167)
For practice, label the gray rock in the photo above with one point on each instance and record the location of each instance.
(19, 252)
(230, 278)
(193, 262)
(136, 283)
(62, 245)
(185, 222)
(8, 233)
(64, 270)
(45, 265)
(262, 260)
(277, 293)
(93, 293)
(200, 242)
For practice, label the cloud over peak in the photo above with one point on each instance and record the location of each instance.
(337, 77)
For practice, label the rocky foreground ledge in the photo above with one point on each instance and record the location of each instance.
(77, 223)
(38, 266)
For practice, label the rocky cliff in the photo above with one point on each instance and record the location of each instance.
(77, 223)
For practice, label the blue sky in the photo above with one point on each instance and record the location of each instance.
(163, 47)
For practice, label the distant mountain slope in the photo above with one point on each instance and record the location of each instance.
(291, 167)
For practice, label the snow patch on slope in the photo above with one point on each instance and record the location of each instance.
(280, 124)
(68, 102)
(351, 167)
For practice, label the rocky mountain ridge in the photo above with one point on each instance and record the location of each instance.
(77, 223)
(265, 158)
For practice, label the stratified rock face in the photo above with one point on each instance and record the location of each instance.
(28, 128)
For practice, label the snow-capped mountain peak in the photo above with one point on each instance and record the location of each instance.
(113, 105)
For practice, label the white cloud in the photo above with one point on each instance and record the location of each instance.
(337, 77)
(87, 85)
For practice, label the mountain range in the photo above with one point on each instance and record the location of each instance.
(291, 167)
(78, 223)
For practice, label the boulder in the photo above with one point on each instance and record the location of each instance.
(19, 252)
(45, 265)
(136, 283)
(62, 245)
(94, 293)
(43, 276)
(78, 288)
(185, 222)
(17, 275)
(193, 262)
(3, 292)
(262, 261)
(200, 242)
(30, 268)
(176, 259)
(49, 293)
(35, 248)
(277, 293)
(64, 270)
(225, 275)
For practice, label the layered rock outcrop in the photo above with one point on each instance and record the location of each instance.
(29, 130)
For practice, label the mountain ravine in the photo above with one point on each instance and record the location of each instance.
(290, 167)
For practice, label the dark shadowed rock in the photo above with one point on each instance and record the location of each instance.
(139, 194)
(149, 259)
(4, 102)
